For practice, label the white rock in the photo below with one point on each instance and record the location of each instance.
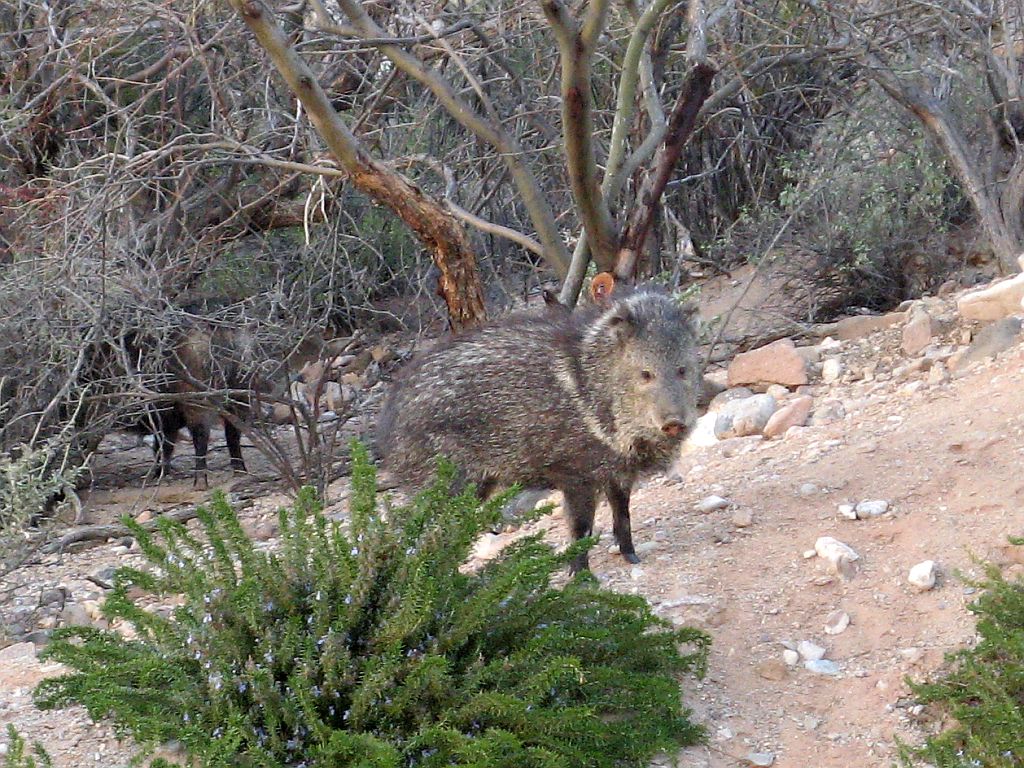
(834, 550)
(831, 370)
(762, 759)
(822, 667)
(809, 651)
(741, 418)
(712, 504)
(848, 511)
(997, 300)
(791, 657)
(836, 622)
(872, 508)
(922, 575)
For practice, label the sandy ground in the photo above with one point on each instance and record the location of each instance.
(947, 457)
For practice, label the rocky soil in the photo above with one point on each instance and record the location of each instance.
(905, 445)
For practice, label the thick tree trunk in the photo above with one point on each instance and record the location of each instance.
(439, 231)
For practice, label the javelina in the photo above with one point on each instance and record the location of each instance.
(199, 361)
(581, 402)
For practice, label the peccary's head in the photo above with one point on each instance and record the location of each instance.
(645, 347)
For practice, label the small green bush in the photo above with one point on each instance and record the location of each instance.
(373, 647)
(17, 757)
(984, 687)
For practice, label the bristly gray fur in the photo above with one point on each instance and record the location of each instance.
(581, 401)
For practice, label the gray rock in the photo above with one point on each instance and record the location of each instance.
(741, 418)
(712, 504)
(831, 370)
(837, 622)
(57, 597)
(763, 759)
(810, 651)
(873, 508)
(991, 340)
(75, 615)
(722, 399)
(828, 412)
(822, 667)
(104, 577)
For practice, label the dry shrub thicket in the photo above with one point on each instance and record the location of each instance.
(155, 171)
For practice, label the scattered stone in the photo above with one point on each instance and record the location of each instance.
(56, 596)
(865, 509)
(860, 326)
(793, 414)
(17, 652)
(144, 516)
(104, 577)
(722, 399)
(791, 657)
(848, 511)
(836, 622)
(822, 667)
(742, 418)
(75, 615)
(742, 518)
(712, 504)
(775, 363)
(772, 669)
(777, 391)
(281, 413)
(646, 547)
(763, 759)
(922, 575)
(991, 340)
(993, 302)
(809, 651)
(834, 551)
(828, 412)
(807, 489)
(831, 370)
(918, 332)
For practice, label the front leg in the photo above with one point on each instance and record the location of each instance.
(580, 504)
(618, 498)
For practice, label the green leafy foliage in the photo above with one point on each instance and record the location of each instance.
(984, 688)
(17, 757)
(374, 646)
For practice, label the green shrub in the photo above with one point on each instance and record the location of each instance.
(984, 688)
(371, 647)
(16, 756)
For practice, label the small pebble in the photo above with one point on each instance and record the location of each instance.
(809, 651)
(836, 622)
(792, 658)
(848, 511)
(712, 504)
(822, 667)
(922, 575)
(807, 489)
(872, 508)
(742, 518)
(761, 758)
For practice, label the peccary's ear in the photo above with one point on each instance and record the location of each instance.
(601, 288)
(620, 322)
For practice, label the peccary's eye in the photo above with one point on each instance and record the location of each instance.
(646, 375)
(682, 371)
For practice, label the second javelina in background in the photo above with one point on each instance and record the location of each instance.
(582, 402)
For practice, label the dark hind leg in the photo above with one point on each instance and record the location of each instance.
(579, 504)
(201, 443)
(163, 450)
(234, 439)
(618, 498)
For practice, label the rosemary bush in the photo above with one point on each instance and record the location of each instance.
(983, 688)
(372, 647)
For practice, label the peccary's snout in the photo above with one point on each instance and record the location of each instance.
(673, 428)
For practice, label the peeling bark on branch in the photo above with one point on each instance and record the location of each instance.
(680, 127)
(436, 228)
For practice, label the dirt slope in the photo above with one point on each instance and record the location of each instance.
(947, 457)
